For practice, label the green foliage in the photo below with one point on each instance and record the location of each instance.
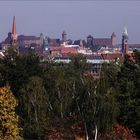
(16, 69)
(129, 97)
(35, 104)
(53, 96)
(78, 63)
(8, 119)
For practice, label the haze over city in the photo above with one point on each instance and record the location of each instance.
(77, 18)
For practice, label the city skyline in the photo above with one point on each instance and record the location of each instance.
(77, 18)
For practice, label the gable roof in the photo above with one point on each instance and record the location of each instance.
(102, 42)
(23, 38)
(112, 56)
(70, 50)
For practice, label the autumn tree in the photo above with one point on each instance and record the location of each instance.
(119, 132)
(9, 127)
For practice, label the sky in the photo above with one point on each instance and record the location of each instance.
(78, 18)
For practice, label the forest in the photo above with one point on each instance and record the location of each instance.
(48, 101)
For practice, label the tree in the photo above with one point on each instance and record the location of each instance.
(129, 97)
(35, 108)
(119, 132)
(17, 68)
(9, 127)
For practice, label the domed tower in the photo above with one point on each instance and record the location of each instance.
(64, 36)
(125, 41)
(113, 39)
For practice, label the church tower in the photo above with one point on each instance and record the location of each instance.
(125, 42)
(14, 32)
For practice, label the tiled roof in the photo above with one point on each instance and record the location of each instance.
(112, 56)
(22, 38)
(70, 50)
(102, 42)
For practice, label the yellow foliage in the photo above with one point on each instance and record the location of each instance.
(9, 129)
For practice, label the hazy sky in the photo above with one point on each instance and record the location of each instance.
(77, 18)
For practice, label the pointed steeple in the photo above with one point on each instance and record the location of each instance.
(14, 32)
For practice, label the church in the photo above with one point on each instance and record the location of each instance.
(11, 40)
(22, 43)
(107, 48)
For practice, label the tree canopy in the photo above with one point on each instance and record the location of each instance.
(60, 97)
(9, 121)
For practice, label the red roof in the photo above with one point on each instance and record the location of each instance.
(70, 50)
(102, 42)
(22, 38)
(112, 56)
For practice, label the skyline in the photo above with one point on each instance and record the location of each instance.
(77, 18)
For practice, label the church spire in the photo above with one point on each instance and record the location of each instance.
(14, 33)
